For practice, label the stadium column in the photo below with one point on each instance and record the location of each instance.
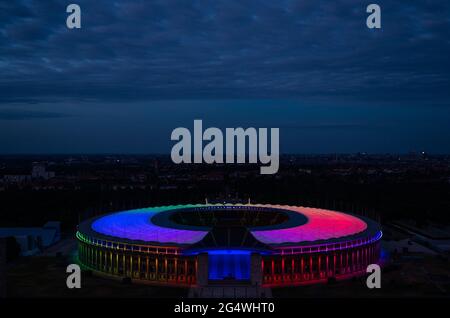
(139, 266)
(176, 268)
(196, 269)
(104, 264)
(80, 252)
(302, 267)
(124, 263)
(346, 262)
(202, 269)
(319, 267)
(105, 260)
(353, 260)
(165, 268)
(117, 263)
(328, 265)
(359, 258)
(292, 268)
(147, 263)
(364, 255)
(131, 265)
(262, 265)
(256, 269)
(334, 264)
(273, 270)
(371, 254)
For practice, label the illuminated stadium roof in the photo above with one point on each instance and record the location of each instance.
(137, 225)
(185, 225)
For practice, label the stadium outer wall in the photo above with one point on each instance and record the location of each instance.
(176, 265)
(320, 263)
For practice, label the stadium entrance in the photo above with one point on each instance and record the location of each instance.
(229, 265)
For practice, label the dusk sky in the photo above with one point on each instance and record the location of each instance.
(138, 69)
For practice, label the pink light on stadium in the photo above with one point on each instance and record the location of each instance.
(322, 225)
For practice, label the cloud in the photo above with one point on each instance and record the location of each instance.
(16, 114)
(167, 49)
(327, 126)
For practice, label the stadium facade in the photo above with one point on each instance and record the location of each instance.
(265, 245)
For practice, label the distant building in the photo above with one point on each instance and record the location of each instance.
(407, 246)
(39, 171)
(32, 240)
(16, 178)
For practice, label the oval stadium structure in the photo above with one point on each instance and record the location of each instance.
(265, 245)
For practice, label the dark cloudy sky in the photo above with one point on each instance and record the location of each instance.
(138, 69)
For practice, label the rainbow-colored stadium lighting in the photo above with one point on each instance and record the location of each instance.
(197, 244)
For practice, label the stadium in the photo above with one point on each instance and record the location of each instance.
(199, 245)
